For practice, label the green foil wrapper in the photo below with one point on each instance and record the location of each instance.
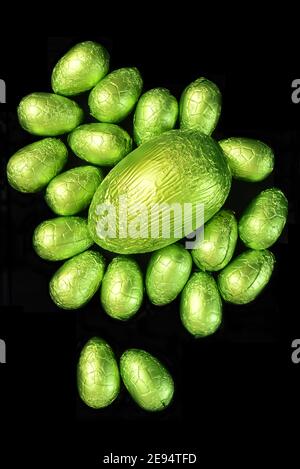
(31, 168)
(122, 288)
(114, 97)
(174, 168)
(249, 160)
(200, 106)
(60, 238)
(264, 219)
(80, 68)
(168, 271)
(48, 114)
(77, 280)
(98, 378)
(72, 191)
(100, 144)
(148, 382)
(246, 276)
(218, 245)
(201, 305)
(156, 112)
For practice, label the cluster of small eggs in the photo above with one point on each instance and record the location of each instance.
(68, 237)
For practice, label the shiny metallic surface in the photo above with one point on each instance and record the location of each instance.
(62, 237)
(201, 305)
(246, 276)
(48, 114)
(220, 236)
(263, 220)
(249, 160)
(156, 112)
(122, 288)
(77, 280)
(32, 167)
(80, 68)
(100, 144)
(175, 168)
(168, 271)
(200, 106)
(114, 97)
(148, 382)
(98, 378)
(72, 191)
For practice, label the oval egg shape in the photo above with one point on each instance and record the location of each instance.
(246, 276)
(80, 68)
(122, 288)
(220, 237)
(48, 114)
(62, 237)
(201, 305)
(249, 159)
(200, 106)
(98, 378)
(154, 183)
(148, 382)
(100, 144)
(77, 280)
(32, 167)
(72, 191)
(168, 271)
(263, 220)
(114, 97)
(156, 112)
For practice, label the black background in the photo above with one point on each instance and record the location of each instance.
(224, 383)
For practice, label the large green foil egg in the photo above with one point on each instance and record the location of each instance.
(77, 280)
(48, 114)
(156, 112)
(140, 206)
(100, 144)
(98, 378)
(114, 97)
(220, 237)
(201, 305)
(80, 68)
(264, 219)
(122, 288)
(246, 276)
(200, 106)
(249, 160)
(72, 191)
(168, 271)
(62, 237)
(31, 168)
(148, 382)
